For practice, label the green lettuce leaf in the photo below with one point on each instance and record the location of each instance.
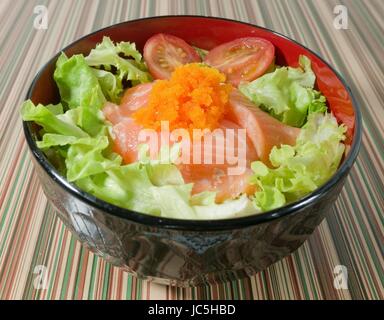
(205, 207)
(131, 186)
(53, 140)
(77, 83)
(56, 109)
(81, 93)
(300, 169)
(115, 63)
(91, 121)
(287, 93)
(110, 84)
(303, 75)
(89, 156)
(51, 122)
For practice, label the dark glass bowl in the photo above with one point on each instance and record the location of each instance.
(191, 252)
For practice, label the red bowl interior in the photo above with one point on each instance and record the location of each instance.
(207, 33)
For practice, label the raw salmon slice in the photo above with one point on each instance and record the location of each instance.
(263, 130)
(112, 113)
(135, 97)
(205, 177)
(125, 139)
(215, 177)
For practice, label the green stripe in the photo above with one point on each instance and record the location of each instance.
(56, 261)
(92, 280)
(106, 281)
(129, 288)
(79, 272)
(68, 265)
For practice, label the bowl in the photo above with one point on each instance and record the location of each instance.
(193, 252)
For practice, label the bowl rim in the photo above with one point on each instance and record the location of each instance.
(197, 225)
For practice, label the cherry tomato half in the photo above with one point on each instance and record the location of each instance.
(243, 59)
(164, 52)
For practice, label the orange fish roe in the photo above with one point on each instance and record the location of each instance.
(195, 97)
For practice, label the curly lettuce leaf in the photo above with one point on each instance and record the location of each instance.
(300, 169)
(287, 93)
(115, 63)
(303, 75)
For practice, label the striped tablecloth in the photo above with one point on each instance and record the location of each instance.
(33, 240)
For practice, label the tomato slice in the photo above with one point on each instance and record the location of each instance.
(164, 52)
(243, 59)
